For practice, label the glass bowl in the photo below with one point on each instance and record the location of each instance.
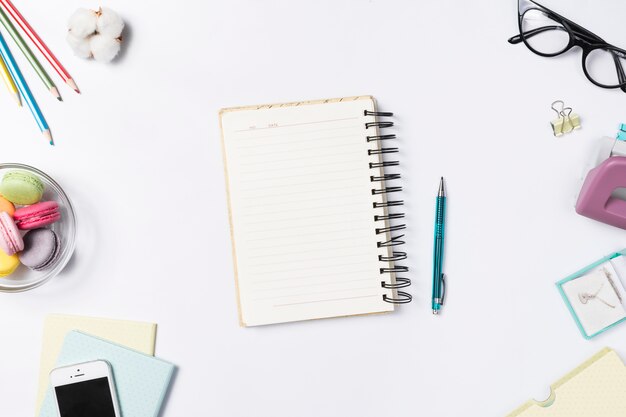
(26, 279)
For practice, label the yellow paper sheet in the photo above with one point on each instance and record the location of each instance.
(597, 388)
(136, 335)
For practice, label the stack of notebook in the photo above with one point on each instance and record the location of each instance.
(141, 379)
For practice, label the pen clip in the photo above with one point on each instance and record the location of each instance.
(443, 288)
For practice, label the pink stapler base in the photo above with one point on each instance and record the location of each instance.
(596, 199)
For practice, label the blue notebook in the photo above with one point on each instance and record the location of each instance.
(141, 380)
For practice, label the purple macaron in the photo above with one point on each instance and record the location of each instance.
(41, 249)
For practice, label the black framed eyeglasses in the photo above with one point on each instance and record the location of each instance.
(549, 34)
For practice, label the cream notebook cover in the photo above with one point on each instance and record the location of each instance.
(311, 208)
(597, 388)
(136, 335)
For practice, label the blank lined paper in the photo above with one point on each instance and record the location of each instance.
(301, 210)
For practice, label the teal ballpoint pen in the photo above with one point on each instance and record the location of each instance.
(439, 283)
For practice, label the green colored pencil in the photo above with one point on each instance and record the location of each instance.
(29, 54)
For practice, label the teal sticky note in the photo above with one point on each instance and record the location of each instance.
(141, 380)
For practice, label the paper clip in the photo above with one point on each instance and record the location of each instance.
(566, 121)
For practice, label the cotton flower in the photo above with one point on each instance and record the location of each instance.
(109, 23)
(83, 23)
(104, 48)
(95, 34)
(80, 46)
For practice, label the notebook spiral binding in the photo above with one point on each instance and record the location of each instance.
(401, 297)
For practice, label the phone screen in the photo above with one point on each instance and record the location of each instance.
(86, 399)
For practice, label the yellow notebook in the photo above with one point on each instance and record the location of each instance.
(597, 388)
(136, 335)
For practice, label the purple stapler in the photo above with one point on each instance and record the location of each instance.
(602, 196)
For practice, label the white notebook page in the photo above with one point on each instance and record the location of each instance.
(301, 208)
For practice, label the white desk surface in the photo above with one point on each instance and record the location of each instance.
(139, 153)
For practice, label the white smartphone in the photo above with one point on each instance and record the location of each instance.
(85, 389)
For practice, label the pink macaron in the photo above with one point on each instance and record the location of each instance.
(11, 241)
(37, 215)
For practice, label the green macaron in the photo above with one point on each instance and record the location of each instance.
(21, 187)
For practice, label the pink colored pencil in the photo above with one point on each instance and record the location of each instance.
(30, 32)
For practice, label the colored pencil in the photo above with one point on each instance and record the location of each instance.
(43, 48)
(5, 52)
(8, 80)
(29, 54)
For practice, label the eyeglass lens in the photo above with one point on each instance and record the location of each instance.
(543, 34)
(603, 66)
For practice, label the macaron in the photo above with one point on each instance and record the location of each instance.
(37, 215)
(10, 238)
(6, 205)
(8, 264)
(41, 249)
(21, 187)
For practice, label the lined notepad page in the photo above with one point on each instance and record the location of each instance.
(301, 211)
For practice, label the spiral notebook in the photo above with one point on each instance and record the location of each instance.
(314, 216)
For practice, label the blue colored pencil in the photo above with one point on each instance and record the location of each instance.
(24, 90)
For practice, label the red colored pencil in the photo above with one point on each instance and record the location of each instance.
(17, 16)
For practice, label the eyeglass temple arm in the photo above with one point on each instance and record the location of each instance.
(574, 27)
(584, 34)
(529, 34)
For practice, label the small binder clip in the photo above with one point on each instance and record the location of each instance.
(566, 121)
